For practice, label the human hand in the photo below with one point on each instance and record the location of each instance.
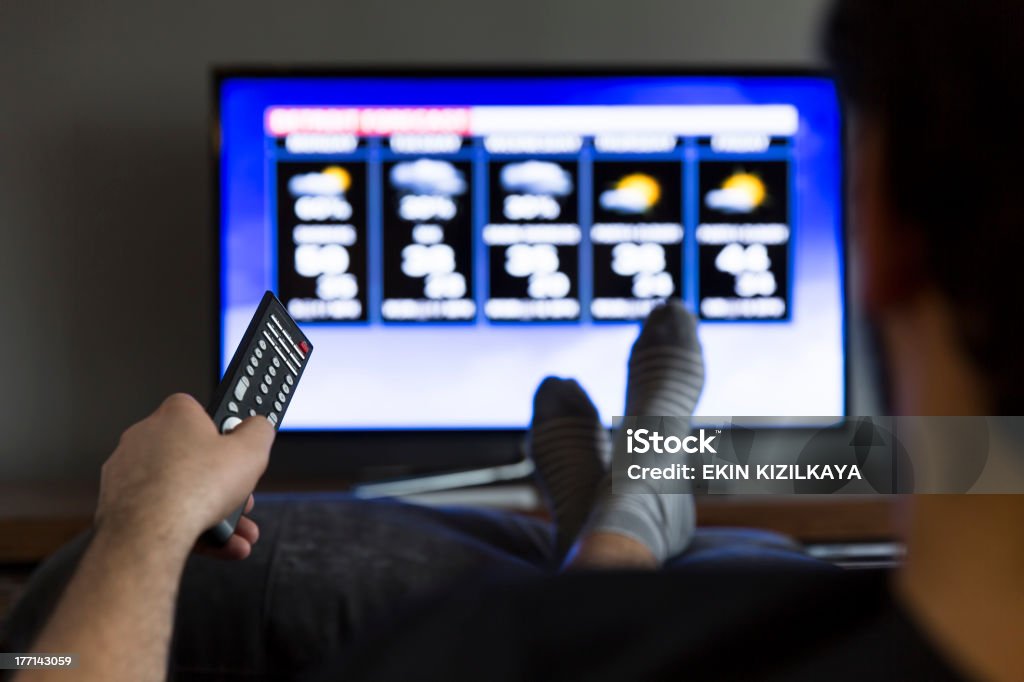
(173, 475)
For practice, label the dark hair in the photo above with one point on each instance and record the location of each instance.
(943, 80)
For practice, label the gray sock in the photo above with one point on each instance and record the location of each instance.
(570, 449)
(666, 375)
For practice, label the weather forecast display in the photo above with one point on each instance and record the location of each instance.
(426, 226)
(426, 174)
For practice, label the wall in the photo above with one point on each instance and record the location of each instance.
(104, 187)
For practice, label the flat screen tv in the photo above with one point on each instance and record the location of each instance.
(448, 238)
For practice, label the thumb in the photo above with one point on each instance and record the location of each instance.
(252, 439)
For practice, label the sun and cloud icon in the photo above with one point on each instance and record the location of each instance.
(633, 194)
(741, 192)
(332, 181)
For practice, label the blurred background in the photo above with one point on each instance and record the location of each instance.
(105, 284)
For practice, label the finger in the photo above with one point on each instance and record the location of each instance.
(235, 549)
(247, 530)
(249, 504)
(253, 439)
(256, 433)
(180, 401)
(184, 406)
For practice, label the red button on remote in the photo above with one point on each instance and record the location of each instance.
(304, 347)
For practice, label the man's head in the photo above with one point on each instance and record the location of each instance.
(937, 171)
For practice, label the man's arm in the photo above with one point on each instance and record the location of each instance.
(172, 476)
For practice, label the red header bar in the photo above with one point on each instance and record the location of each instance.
(367, 121)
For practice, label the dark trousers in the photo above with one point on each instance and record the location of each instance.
(329, 568)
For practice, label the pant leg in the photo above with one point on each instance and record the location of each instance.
(324, 570)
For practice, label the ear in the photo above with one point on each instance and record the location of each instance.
(887, 252)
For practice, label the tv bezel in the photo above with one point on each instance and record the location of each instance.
(333, 458)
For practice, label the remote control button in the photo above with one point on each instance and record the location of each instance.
(277, 406)
(263, 344)
(254, 362)
(229, 424)
(280, 398)
(267, 379)
(232, 407)
(241, 387)
(286, 388)
(277, 363)
(258, 353)
(272, 418)
(288, 378)
(288, 336)
(250, 371)
(277, 348)
(284, 331)
(280, 326)
(271, 371)
(252, 412)
(263, 387)
(289, 364)
(259, 400)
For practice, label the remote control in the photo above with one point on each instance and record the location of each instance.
(260, 380)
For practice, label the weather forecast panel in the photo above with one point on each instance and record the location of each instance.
(531, 214)
(637, 235)
(321, 238)
(533, 240)
(427, 259)
(743, 240)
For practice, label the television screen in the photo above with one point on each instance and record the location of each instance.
(446, 240)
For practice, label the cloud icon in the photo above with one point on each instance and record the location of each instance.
(740, 193)
(730, 201)
(330, 182)
(428, 176)
(634, 194)
(623, 201)
(536, 177)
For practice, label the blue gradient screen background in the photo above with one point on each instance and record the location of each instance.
(482, 375)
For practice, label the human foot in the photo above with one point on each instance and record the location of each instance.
(570, 449)
(666, 376)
